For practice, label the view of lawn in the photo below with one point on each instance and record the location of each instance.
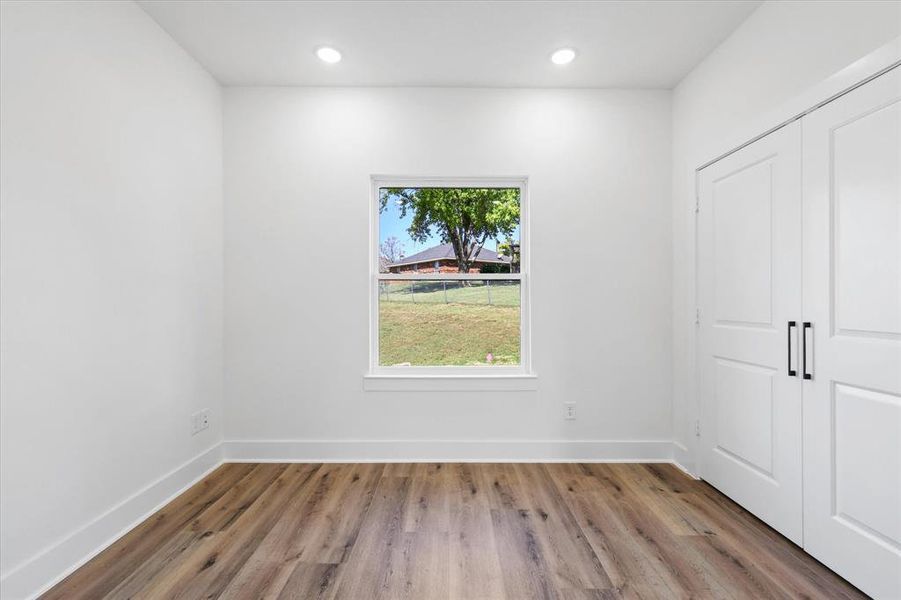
(463, 230)
(421, 329)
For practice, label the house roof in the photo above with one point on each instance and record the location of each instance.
(446, 252)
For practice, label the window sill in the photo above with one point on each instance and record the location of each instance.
(449, 383)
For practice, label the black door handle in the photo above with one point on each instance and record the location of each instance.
(791, 372)
(805, 373)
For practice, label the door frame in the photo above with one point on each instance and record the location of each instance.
(858, 73)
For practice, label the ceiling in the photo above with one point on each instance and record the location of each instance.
(620, 44)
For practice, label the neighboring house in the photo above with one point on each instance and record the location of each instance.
(441, 259)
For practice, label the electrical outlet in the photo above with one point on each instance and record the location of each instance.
(200, 421)
(569, 411)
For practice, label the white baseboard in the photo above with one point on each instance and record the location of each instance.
(448, 451)
(50, 566)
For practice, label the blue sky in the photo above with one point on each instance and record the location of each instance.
(391, 224)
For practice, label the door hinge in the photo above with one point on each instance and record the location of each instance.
(697, 203)
(697, 316)
(697, 428)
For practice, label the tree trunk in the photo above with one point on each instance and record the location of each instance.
(464, 249)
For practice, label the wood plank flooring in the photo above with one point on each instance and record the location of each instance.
(461, 531)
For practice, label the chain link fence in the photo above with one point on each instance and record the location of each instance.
(490, 292)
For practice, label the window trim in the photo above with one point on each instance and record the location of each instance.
(450, 373)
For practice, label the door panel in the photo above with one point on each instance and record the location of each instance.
(749, 278)
(864, 420)
(865, 202)
(743, 257)
(852, 296)
(744, 413)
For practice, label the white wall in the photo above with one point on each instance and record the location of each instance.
(111, 267)
(780, 51)
(297, 169)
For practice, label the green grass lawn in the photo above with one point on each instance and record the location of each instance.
(434, 334)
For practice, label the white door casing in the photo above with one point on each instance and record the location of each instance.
(852, 298)
(749, 288)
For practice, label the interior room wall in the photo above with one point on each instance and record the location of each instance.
(112, 254)
(780, 51)
(297, 190)
(111, 247)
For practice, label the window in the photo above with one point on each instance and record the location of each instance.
(449, 277)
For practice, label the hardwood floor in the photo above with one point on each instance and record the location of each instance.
(422, 531)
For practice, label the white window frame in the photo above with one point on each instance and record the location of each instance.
(514, 374)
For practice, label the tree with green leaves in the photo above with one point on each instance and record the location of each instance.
(463, 217)
(510, 249)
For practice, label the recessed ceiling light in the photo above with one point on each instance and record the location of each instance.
(563, 56)
(328, 54)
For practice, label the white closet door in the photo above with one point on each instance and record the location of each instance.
(749, 277)
(852, 297)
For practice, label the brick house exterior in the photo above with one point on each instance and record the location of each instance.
(441, 259)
